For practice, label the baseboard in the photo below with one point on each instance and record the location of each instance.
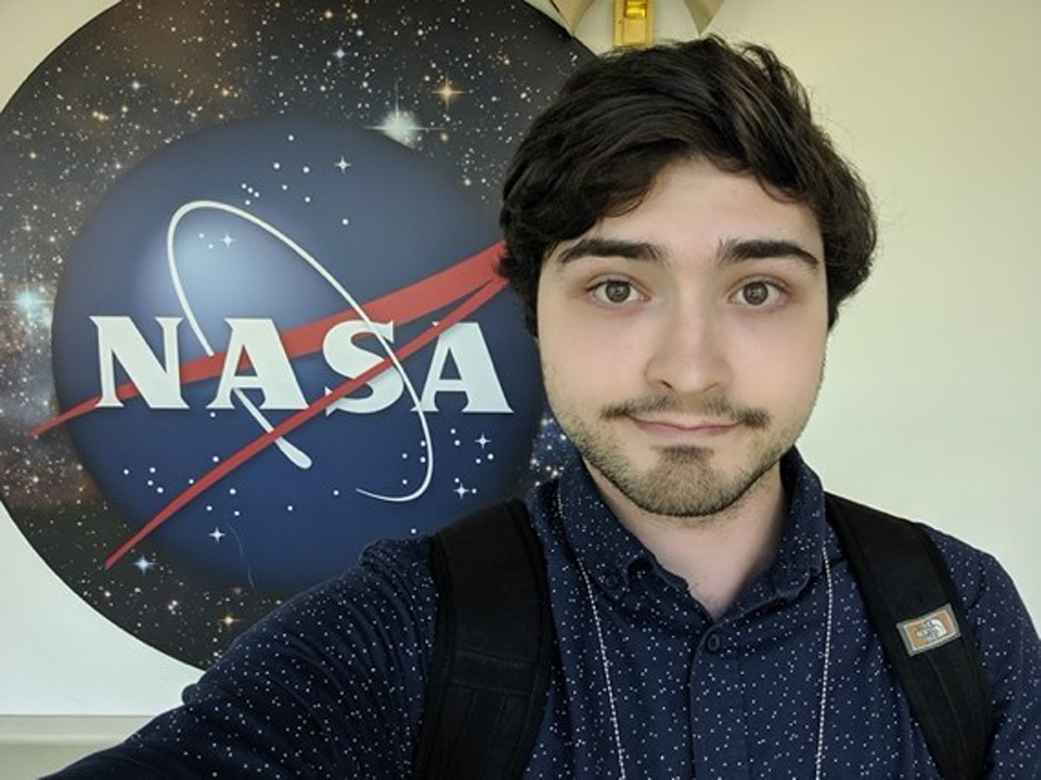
(33, 745)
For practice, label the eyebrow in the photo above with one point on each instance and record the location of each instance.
(730, 251)
(612, 247)
(736, 251)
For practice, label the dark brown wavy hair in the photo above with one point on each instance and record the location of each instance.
(618, 121)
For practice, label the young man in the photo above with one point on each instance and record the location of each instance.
(682, 235)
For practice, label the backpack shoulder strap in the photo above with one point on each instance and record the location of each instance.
(492, 648)
(919, 617)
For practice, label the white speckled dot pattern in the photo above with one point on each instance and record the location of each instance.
(331, 684)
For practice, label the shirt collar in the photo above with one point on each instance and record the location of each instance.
(605, 547)
(613, 556)
(798, 556)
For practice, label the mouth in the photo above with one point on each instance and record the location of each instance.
(680, 428)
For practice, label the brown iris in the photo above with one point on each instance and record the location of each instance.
(617, 292)
(756, 293)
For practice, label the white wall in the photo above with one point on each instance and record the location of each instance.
(930, 404)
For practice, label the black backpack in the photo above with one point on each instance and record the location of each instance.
(491, 664)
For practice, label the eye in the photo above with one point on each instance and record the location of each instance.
(614, 292)
(758, 293)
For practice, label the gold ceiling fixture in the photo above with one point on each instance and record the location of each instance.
(633, 19)
(633, 22)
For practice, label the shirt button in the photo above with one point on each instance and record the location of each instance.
(611, 581)
(713, 643)
(640, 568)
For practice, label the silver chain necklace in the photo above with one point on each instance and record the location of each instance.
(616, 729)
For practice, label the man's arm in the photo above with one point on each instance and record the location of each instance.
(1013, 664)
(329, 685)
(1011, 654)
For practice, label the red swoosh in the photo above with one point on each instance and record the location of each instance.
(257, 445)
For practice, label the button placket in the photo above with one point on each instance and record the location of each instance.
(718, 734)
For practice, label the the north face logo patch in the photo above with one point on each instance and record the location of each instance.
(929, 631)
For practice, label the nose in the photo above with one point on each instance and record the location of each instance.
(689, 355)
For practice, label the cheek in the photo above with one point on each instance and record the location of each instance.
(600, 356)
(783, 361)
(567, 338)
(575, 355)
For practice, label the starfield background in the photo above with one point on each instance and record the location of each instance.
(453, 87)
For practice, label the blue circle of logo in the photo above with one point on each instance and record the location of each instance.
(287, 340)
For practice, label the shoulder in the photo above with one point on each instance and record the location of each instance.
(385, 604)
(389, 573)
(1009, 649)
(977, 575)
(985, 587)
(1000, 622)
(330, 684)
(348, 657)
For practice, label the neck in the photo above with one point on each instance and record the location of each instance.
(717, 555)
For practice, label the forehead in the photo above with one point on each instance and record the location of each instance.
(696, 209)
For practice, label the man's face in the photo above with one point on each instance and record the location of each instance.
(682, 343)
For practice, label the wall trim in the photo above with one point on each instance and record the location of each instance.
(79, 730)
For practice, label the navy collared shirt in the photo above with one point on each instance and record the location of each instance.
(645, 683)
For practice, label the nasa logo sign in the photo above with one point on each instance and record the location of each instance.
(290, 333)
(272, 325)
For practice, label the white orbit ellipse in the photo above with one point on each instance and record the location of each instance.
(293, 453)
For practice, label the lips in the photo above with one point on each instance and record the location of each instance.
(676, 427)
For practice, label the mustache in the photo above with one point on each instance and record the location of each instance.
(715, 407)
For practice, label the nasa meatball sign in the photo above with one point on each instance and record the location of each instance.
(252, 321)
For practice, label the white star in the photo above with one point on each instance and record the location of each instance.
(339, 53)
(143, 564)
(483, 441)
(28, 301)
(343, 165)
(462, 491)
(227, 240)
(217, 534)
(401, 126)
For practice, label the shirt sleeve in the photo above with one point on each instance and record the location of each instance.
(328, 685)
(1011, 655)
(1012, 659)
